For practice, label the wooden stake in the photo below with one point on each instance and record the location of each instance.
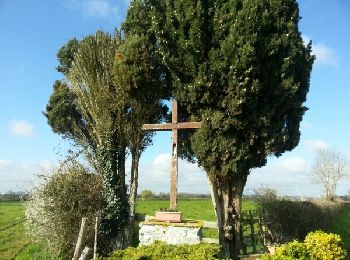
(80, 239)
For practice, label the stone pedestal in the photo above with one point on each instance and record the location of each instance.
(186, 232)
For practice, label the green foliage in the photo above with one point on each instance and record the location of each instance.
(323, 246)
(317, 245)
(102, 106)
(241, 67)
(292, 251)
(340, 225)
(66, 54)
(160, 250)
(147, 194)
(116, 84)
(55, 208)
(63, 114)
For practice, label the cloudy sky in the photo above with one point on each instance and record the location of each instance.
(32, 31)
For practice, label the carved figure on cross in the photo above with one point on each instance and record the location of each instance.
(174, 126)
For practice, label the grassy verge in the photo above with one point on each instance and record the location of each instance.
(341, 226)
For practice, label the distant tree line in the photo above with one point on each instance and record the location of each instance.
(149, 194)
(13, 196)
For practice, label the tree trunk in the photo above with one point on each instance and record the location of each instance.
(227, 198)
(133, 194)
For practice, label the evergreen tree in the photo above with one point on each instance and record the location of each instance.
(241, 67)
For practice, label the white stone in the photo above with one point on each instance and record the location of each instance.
(171, 234)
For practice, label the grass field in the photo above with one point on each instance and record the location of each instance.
(12, 233)
(15, 244)
(201, 209)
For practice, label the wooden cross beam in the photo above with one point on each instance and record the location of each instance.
(174, 126)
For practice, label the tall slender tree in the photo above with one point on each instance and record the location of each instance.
(101, 104)
(141, 72)
(113, 86)
(242, 68)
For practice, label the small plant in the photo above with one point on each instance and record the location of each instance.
(292, 251)
(318, 245)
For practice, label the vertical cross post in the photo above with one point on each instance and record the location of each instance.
(174, 161)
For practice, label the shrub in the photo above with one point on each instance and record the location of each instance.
(55, 208)
(160, 250)
(292, 251)
(317, 246)
(323, 246)
(289, 220)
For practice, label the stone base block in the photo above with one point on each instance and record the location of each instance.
(187, 232)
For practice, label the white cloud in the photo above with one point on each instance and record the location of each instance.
(315, 145)
(15, 176)
(289, 175)
(324, 55)
(156, 176)
(21, 128)
(294, 164)
(105, 9)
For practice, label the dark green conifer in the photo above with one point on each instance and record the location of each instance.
(242, 68)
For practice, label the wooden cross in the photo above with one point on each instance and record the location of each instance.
(174, 126)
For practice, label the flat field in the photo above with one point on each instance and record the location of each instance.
(13, 238)
(15, 244)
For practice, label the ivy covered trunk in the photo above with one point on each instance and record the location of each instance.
(115, 214)
(227, 200)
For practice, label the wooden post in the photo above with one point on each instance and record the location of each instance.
(80, 239)
(252, 231)
(95, 240)
(241, 234)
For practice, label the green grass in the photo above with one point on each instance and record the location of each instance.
(341, 226)
(201, 209)
(34, 252)
(13, 238)
(15, 244)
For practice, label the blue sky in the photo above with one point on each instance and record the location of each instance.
(32, 31)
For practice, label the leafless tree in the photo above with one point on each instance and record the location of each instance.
(329, 168)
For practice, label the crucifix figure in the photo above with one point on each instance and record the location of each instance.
(174, 126)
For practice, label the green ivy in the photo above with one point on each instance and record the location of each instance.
(161, 250)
